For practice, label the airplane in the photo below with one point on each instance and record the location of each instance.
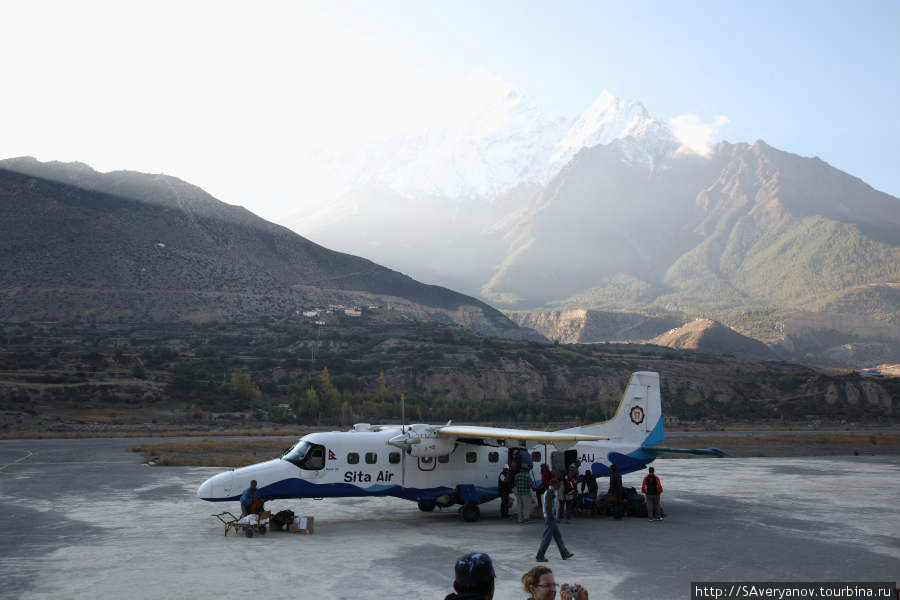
(446, 465)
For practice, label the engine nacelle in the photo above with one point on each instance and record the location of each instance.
(421, 440)
(433, 446)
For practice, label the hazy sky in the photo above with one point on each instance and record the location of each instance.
(230, 96)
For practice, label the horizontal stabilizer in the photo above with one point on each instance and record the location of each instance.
(701, 451)
(627, 464)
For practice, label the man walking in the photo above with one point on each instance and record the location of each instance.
(652, 488)
(523, 494)
(545, 483)
(504, 487)
(551, 526)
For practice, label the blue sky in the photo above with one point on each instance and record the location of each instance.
(227, 94)
(814, 78)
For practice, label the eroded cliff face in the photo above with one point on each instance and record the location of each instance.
(586, 326)
(691, 390)
(850, 340)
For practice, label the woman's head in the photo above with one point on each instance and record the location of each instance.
(539, 582)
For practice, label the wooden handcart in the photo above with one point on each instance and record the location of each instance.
(233, 523)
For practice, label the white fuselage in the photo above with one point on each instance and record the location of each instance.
(363, 463)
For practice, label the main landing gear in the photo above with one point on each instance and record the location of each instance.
(469, 512)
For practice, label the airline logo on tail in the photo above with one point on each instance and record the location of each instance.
(637, 415)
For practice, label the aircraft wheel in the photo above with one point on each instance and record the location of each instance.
(470, 513)
(426, 507)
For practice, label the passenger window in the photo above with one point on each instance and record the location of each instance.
(444, 458)
(471, 457)
(371, 458)
(394, 458)
(536, 456)
(353, 458)
(493, 457)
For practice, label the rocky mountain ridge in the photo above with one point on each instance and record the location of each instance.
(129, 245)
(588, 326)
(711, 337)
(621, 217)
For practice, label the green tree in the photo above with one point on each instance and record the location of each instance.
(346, 413)
(328, 390)
(381, 386)
(243, 385)
(312, 404)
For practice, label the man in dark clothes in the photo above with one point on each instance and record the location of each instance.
(618, 492)
(589, 485)
(652, 487)
(551, 526)
(504, 487)
(568, 494)
(247, 498)
(474, 578)
(545, 483)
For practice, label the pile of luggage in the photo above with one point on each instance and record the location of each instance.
(281, 520)
(634, 504)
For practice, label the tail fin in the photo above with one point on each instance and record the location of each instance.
(638, 417)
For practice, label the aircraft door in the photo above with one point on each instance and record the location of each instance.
(558, 461)
(562, 460)
(571, 457)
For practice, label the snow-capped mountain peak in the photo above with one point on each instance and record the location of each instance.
(488, 138)
(606, 119)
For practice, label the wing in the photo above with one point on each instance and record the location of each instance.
(702, 451)
(523, 435)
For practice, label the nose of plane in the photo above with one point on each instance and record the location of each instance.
(205, 489)
(216, 487)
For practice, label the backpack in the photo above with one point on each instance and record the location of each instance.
(283, 518)
(652, 485)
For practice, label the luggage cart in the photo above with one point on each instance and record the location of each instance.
(233, 523)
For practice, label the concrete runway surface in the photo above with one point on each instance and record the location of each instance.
(84, 519)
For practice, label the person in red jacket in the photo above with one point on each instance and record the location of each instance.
(652, 488)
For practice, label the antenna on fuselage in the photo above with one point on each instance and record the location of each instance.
(402, 413)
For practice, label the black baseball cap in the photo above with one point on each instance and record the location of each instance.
(475, 569)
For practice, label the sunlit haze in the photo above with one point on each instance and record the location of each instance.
(234, 97)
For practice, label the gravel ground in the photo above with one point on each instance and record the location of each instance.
(84, 519)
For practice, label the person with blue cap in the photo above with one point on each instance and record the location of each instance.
(474, 577)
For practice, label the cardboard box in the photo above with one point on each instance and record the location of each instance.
(266, 514)
(303, 525)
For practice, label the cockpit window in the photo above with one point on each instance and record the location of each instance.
(307, 456)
